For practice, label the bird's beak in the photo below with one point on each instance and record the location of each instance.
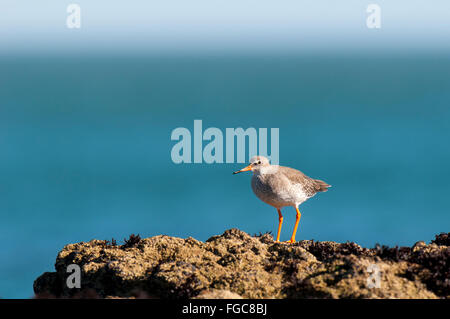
(247, 168)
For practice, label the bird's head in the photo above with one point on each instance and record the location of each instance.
(256, 163)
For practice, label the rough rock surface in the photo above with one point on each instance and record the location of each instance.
(237, 265)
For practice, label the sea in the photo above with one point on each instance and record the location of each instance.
(85, 148)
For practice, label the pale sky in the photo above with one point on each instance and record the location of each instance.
(222, 24)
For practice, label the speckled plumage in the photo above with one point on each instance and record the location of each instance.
(281, 186)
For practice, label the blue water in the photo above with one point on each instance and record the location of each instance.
(85, 149)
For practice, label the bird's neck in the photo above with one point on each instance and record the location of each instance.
(265, 170)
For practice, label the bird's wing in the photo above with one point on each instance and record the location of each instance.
(310, 186)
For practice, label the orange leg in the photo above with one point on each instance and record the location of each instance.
(280, 222)
(297, 219)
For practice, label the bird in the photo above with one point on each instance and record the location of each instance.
(281, 186)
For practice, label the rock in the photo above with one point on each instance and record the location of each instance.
(217, 294)
(237, 265)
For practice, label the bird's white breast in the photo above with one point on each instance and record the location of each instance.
(277, 190)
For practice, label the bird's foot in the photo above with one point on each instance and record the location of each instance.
(291, 241)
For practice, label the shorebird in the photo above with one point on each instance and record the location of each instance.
(281, 186)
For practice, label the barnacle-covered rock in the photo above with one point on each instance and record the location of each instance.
(237, 265)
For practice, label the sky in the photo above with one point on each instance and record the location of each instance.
(30, 26)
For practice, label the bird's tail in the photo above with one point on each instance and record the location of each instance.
(321, 186)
